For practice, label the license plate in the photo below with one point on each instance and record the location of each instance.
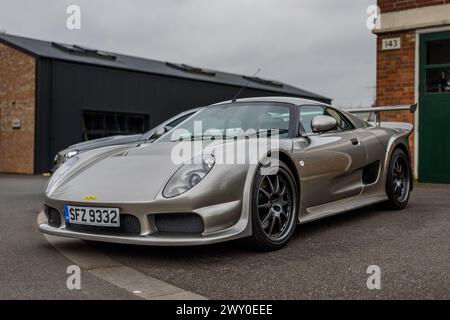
(92, 216)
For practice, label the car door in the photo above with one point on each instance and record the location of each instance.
(330, 163)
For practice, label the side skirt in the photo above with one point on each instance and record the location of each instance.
(341, 206)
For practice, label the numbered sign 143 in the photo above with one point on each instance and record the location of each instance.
(392, 44)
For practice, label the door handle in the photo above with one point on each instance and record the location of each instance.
(354, 141)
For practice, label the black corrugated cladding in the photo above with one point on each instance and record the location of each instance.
(71, 79)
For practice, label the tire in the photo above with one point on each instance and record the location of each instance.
(398, 181)
(274, 209)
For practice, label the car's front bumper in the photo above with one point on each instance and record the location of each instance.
(221, 200)
(155, 239)
(218, 222)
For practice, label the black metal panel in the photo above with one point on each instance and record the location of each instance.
(178, 223)
(129, 225)
(65, 89)
(43, 155)
(53, 216)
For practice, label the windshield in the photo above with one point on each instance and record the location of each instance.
(233, 120)
(171, 123)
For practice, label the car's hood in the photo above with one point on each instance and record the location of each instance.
(113, 173)
(125, 173)
(104, 142)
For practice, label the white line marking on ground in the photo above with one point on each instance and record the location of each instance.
(107, 269)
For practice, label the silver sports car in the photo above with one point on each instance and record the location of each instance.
(248, 168)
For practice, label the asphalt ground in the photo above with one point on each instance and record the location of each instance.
(30, 268)
(326, 259)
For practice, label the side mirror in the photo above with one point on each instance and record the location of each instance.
(321, 124)
(159, 132)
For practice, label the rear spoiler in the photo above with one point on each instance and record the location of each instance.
(379, 110)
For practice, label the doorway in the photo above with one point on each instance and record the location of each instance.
(434, 100)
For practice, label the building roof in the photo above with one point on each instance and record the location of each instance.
(85, 55)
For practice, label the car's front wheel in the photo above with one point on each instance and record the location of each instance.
(398, 183)
(274, 209)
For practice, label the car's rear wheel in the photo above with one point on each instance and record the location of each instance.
(398, 183)
(274, 209)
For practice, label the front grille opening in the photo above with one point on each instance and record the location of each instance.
(129, 224)
(178, 223)
(53, 217)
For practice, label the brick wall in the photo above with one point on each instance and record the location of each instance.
(17, 101)
(396, 77)
(397, 5)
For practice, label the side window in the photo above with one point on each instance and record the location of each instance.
(307, 113)
(170, 125)
(179, 120)
(343, 123)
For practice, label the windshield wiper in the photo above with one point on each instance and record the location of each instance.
(268, 132)
(203, 137)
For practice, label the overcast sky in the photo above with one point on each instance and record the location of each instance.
(319, 45)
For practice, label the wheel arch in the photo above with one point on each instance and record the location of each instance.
(401, 145)
(288, 163)
(404, 148)
(291, 165)
(286, 159)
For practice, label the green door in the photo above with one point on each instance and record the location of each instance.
(434, 112)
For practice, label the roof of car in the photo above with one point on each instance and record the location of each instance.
(290, 100)
(80, 54)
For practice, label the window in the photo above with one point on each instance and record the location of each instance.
(98, 124)
(74, 49)
(179, 120)
(233, 120)
(438, 52)
(342, 122)
(307, 113)
(438, 80)
(191, 69)
(437, 71)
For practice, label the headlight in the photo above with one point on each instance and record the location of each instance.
(189, 175)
